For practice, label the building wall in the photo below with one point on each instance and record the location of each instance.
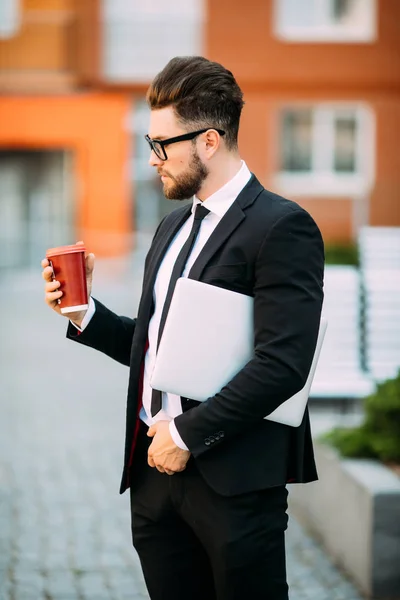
(273, 74)
(51, 51)
(337, 217)
(385, 200)
(57, 50)
(257, 142)
(241, 37)
(92, 126)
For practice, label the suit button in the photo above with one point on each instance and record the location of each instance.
(221, 434)
(212, 439)
(207, 441)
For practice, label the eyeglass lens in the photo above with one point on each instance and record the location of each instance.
(159, 150)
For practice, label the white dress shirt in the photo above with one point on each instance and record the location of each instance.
(218, 204)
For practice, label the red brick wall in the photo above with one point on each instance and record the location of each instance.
(273, 73)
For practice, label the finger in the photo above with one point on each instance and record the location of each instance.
(45, 263)
(80, 242)
(51, 286)
(52, 298)
(150, 461)
(89, 263)
(169, 472)
(160, 469)
(152, 431)
(47, 274)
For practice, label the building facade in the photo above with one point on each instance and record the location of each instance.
(321, 80)
(322, 88)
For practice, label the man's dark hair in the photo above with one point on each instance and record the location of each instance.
(202, 93)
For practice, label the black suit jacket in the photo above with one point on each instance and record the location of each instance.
(270, 248)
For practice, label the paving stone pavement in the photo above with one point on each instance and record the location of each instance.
(64, 529)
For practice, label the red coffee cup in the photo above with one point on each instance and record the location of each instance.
(68, 264)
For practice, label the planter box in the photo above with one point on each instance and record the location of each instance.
(354, 511)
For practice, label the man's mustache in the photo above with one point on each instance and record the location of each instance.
(164, 173)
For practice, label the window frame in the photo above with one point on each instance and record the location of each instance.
(129, 55)
(323, 181)
(12, 13)
(326, 32)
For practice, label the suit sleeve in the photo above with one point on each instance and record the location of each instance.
(106, 332)
(288, 295)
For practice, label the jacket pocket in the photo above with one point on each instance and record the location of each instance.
(235, 271)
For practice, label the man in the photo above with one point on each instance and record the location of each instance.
(208, 481)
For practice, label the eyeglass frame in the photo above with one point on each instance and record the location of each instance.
(174, 140)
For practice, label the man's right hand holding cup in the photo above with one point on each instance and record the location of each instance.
(53, 293)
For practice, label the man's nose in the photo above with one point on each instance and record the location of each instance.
(154, 160)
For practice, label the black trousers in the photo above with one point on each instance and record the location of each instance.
(195, 544)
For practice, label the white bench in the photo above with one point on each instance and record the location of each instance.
(339, 373)
(382, 321)
(379, 248)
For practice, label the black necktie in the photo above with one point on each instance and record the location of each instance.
(177, 271)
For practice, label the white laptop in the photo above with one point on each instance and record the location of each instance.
(208, 337)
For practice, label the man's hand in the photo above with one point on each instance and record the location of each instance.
(163, 453)
(53, 294)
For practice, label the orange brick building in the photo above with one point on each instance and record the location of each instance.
(355, 82)
(320, 125)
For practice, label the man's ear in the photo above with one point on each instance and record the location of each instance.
(212, 142)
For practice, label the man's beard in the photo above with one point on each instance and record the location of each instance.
(187, 184)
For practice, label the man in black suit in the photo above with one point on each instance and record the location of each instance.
(208, 481)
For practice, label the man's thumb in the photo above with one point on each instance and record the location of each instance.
(90, 263)
(152, 431)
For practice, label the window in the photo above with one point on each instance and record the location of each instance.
(140, 36)
(325, 20)
(9, 18)
(297, 141)
(325, 150)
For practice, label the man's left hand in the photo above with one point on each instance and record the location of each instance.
(163, 453)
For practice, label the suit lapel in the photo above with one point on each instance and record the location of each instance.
(224, 229)
(229, 222)
(158, 250)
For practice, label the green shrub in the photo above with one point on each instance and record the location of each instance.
(350, 442)
(341, 254)
(379, 436)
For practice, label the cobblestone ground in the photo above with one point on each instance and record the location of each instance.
(64, 529)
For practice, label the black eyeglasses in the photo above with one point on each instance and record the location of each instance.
(158, 146)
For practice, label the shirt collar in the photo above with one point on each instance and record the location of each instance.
(222, 199)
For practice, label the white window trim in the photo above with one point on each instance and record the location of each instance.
(323, 183)
(137, 124)
(327, 33)
(10, 18)
(128, 53)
